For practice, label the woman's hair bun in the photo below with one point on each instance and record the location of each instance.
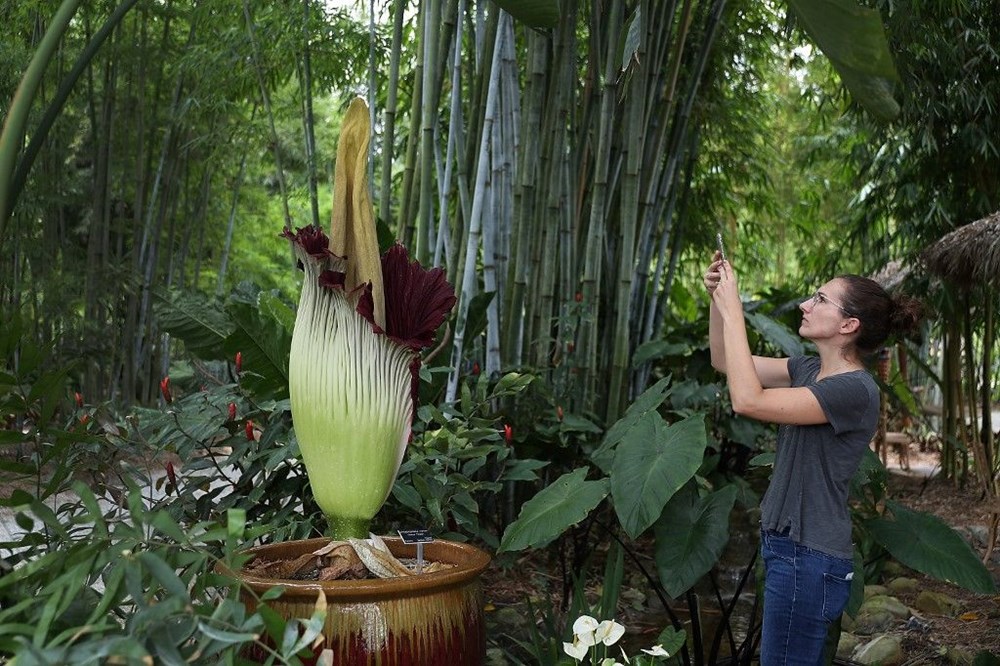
(907, 314)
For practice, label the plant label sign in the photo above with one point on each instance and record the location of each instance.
(419, 537)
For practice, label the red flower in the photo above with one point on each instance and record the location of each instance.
(475, 368)
(249, 430)
(508, 433)
(85, 419)
(170, 474)
(559, 412)
(239, 362)
(579, 297)
(232, 411)
(78, 399)
(165, 390)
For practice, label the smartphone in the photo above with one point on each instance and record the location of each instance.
(718, 242)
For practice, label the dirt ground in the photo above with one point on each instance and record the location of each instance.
(977, 626)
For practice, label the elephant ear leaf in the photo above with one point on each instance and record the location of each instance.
(927, 544)
(853, 38)
(653, 462)
(567, 501)
(690, 536)
(533, 13)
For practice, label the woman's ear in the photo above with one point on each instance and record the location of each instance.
(850, 325)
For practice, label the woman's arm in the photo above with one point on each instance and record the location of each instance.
(771, 372)
(758, 387)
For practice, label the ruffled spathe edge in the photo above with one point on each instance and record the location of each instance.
(417, 300)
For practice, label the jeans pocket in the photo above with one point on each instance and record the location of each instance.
(836, 592)
(775, 546)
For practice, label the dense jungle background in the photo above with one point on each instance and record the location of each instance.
(568, 164)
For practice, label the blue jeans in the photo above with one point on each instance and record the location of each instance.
(805, 590)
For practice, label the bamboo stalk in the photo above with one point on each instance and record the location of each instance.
(590, 283)
(389, 115)
(266, 100)
(618, 394)
(468, 285)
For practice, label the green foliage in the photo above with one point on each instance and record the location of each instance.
(561, 504)
(853, 38)
(925, 543)
(459, 462)
(253, 323)
(123, 567)
(690, 536)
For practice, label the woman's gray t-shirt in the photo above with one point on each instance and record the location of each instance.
(814, 463)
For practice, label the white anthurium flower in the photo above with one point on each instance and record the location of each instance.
(656, 651)
(354, 357)
(576, 650)
(608, 632)
(583, 630)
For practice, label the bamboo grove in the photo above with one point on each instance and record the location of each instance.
(563, 164)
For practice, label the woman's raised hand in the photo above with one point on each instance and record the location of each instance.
(712, 274)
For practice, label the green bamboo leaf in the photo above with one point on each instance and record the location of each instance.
(652, 463)
(853, 38)
(164, 574)
(225, 636)
(630, 44)
(534, 13)
(924, 542)
(552, 511)
(691, 535)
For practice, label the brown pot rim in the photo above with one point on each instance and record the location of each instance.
(469, 560)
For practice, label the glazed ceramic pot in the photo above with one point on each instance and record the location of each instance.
(425, 619)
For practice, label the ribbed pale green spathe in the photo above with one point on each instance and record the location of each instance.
(351, 404)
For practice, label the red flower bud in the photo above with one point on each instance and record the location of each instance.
(232, 411)
(78, 399)
(579, 297)
(508, 433)
(239, 362)
(559, 412)
(165, 390)
(85, 419)
(249, 430)
(570, 347)
(171, 475)
(475, 368)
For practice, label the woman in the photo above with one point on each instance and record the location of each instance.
(827, 408)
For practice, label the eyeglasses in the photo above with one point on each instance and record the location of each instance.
(819, 297)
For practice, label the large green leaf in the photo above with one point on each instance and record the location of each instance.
(552, 511)
(924, 542)
(264, 343)
(649, 401)
(198, 320)
(690, 536)
(652, 463)
(776, 333)
(853, 39)
(533, 13)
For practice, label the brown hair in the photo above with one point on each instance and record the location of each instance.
(881, 314)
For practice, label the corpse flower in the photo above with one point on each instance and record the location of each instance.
(361, 322)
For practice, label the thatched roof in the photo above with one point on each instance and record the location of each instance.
(891, 275)
(969, 254)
